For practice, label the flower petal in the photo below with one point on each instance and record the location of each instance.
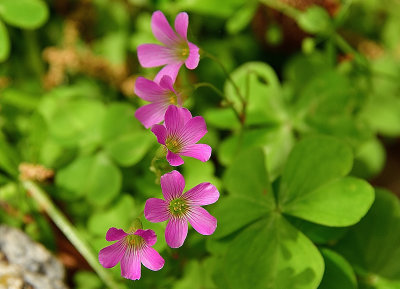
(130, 265)
(194, 56)
(175, 119)
(174, 159)
(153, 55)
(181, 24)
(111, 255)
(149, 90)
(202, 221)
(166, 83)
(162, 30)
(114, 234)
(202, 194)
(201, 152)
(151, 114)
(186, 115)
(151, 259)
(171, 69)
(149, 236)
(176, 232)
(156, 210)
(160, 132)
(172, 185)
(194, 130)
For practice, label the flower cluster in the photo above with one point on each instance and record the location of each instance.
(178, 132)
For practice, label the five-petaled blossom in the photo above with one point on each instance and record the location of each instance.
(180, 134)
(131, 250)
(176, 51)
(160, 95)
(180, 208)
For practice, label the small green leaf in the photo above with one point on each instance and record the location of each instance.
(259, 85)
(319, 234)
(24, 13)
(9, 159)
(279, 256)
(369, 159)
(235, 212)
(95, 177)
(248, 177)
(129, 149)
(313, 187)
(242, 17)
(338, 272)
(87, 280)
(123, 137)
(315, 20)
(372, 246)
(119, 120)
(20, 99)
(313, 162)
(222, 118)
(339, 203)
(4, 42)
(276, 142)
(119, 215)
(198, 172)
(222, 8)
(251, 195)
(73, 122)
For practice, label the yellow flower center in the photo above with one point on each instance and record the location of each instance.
(135, 241)
(178, 207)
(173, 144)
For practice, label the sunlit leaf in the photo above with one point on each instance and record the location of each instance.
(276, 253)
(4, 42)
(24, 13)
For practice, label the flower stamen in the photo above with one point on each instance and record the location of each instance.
(178, 207)
(173, 144)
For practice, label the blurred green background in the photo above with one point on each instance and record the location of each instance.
(321, 80)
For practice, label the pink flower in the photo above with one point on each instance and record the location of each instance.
(176, 51)
(180, 134)
(131, 250)
(160, 95)
(181, 208)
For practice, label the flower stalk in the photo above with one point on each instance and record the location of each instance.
(70, 232)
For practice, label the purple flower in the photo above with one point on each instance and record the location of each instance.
(176, 51)
(180, 134)
(180, 208)
(131, 250)
(160, 95)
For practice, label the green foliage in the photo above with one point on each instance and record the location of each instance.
(338, 272)
(248, 200)
(315, 20)
(372, 246)
(24, 13)
(124, 141)
(95, 177)
(4, 42)
(317, 191)
(298, 124)
(309, 190)
(278, 265)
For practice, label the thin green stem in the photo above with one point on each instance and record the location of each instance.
(70, 232)
(209, 85)
(227, 74)
(220, 93)
(33, 53)
(346, 47)
(283, 8)
(241, 115)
